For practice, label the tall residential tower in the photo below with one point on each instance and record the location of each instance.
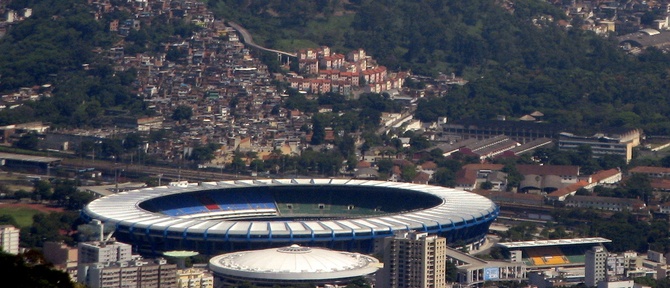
(413, 259)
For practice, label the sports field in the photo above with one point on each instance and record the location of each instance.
(23, 212)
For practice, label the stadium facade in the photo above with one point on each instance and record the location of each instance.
(340, 214)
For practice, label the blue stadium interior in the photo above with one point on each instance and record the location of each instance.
(303, 202)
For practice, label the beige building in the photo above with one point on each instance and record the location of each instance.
(194, 278)
(413, 259)
(59, 254)
(620, 143)
(9, 239)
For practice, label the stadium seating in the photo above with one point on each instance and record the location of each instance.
(210, 201)
(549, 255)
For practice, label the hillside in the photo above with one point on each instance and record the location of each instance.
(515, 65)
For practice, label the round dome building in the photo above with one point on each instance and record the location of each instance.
(292, 265)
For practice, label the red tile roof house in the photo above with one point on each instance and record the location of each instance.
(604, 177)
(653, 172)
(561, 194)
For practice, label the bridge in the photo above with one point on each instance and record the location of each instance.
(248, 40)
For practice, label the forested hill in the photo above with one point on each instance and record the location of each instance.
(515, 65)
(63, 44)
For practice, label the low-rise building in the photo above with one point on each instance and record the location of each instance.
(194, 278)
(619, 143)
(604, 203)
(60, 255)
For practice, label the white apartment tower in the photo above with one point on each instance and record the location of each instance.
(595, 269)
(9, 239)
(413, 259)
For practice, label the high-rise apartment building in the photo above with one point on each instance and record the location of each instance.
(9, 239)
(595, 269)
(413, 259)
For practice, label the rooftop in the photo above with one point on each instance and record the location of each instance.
(294, 263)
(556, 242)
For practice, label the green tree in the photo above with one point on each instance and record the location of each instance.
(384, 165)
(487, 185)
(445, 177)
(28, 141)
(33, 270)
(42, 190)
(8, 220)
(639, 186)
(408, 172)
(204, 153)
(318, 129)
(182, 112)
(132, 141)
(514, 177)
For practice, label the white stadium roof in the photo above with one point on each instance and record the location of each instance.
(293, 263)
(555, 242)
(458, 208)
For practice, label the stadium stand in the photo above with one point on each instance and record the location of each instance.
(546, 256)
(210, 201)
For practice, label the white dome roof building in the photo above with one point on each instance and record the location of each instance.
(291, 265)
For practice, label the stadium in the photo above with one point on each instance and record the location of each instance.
(552, 253)
(339, 214)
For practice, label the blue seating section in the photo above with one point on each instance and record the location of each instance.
(226, 200)
(242, 200)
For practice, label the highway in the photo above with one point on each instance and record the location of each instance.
(166, 172)
(248, 40)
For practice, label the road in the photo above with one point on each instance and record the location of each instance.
(166, 172)
(248, 40)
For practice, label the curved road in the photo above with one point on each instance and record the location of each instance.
(250, 40)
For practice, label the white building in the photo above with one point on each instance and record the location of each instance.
(9, 239)
(293, 265)
(616, 284)
(105, 251)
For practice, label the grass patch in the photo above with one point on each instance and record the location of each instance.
(22, 215)
(333, 23)
(292, 45)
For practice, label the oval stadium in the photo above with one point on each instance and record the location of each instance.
(340, 214)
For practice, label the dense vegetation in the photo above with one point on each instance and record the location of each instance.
(624, 229)
(56, 46)
(515, 67)
(31, 270)
(51, 47)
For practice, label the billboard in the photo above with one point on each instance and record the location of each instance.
(491, 273)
